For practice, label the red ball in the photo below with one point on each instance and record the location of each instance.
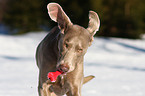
(53, 75)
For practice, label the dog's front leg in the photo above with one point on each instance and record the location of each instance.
(45, 90)
(74, 91)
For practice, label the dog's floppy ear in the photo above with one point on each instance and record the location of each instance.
(94, 23)
(57, 14)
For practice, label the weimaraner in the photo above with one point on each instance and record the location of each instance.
(64, 49)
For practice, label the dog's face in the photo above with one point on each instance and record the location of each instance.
(75, 39)
(72, 47)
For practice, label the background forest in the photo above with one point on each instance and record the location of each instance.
(119, 18)
(118, 64)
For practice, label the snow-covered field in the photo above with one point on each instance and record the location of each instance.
(118, 64)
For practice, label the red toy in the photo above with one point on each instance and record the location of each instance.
(53, 75)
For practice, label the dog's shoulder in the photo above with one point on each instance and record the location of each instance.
(52, 34)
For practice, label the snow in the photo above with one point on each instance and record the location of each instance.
(118, 66)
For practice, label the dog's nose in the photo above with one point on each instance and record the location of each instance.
(63, 68)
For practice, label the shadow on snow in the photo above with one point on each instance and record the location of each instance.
(16, 58)
(124, 45)
(116, 67)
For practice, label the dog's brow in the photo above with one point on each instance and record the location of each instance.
(79, 46)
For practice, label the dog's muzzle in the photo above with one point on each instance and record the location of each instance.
(63, 68)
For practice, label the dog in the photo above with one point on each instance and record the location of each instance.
(63, 49)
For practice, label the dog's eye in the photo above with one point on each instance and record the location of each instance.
(66, 45)
(80, 50)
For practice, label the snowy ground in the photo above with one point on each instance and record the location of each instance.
(118, 64)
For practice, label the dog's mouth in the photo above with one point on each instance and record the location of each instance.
(62, 71)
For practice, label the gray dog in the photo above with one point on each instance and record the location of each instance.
(63, 49)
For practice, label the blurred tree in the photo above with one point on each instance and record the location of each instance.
(3, 6)
(24, 15)
(119, 18)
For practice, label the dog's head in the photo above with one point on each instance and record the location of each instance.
(75, 41)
